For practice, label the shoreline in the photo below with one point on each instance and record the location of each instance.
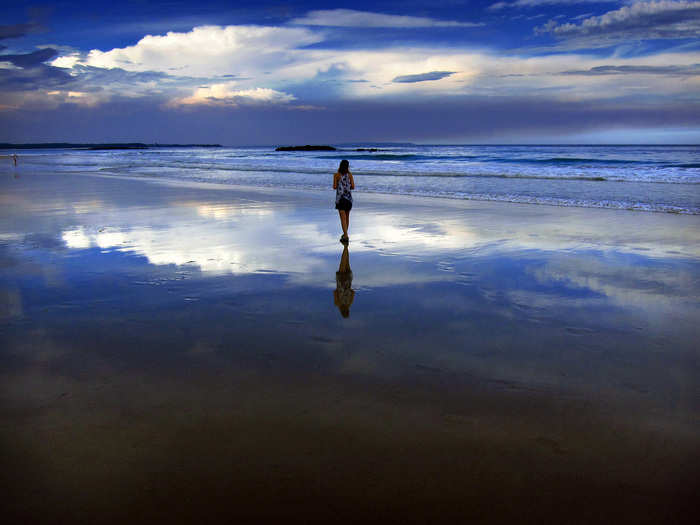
(673, 210)
(637, 180)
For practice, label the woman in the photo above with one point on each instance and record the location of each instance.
(342, 184)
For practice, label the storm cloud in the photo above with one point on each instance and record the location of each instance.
(680, 71)
(449, 119)
(35, 78)
(30, 59)
(16, 30)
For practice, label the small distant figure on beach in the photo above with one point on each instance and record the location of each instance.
(343, 295)
(13, 157)
(342, 184)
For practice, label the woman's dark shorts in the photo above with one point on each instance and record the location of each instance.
(343, 204)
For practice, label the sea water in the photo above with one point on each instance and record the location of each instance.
(647, 178)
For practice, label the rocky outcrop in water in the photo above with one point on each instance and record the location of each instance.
(305, 148)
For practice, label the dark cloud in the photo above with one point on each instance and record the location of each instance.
(30, 59)
(17, 30)
(422, 77)
(81, 78)
(456, 119)
(107, 76)
(34, 78)
(682, 71)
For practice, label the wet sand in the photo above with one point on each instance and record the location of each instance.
(177, 353)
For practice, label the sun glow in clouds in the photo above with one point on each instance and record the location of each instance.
(225, 95)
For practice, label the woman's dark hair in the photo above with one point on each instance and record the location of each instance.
(344, 165)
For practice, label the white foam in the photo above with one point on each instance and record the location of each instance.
(642, 179)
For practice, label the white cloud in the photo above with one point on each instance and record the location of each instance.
(66, 61)
(209, 50)
(353, 18)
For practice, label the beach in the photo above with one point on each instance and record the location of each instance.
(175, 351)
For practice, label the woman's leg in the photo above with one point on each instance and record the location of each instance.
(343, 221)
(347, 221)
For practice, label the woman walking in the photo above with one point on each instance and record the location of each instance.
(342, 184)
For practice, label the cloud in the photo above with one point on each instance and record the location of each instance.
(210, 50)
(422, 77)
(682, 71)
(665, 19)
(353, 18)
(535, 3)
(223, 94)
(451, 119)
(17, 30)
(275, 58)
(30, 59)
(48, 86)
(66, 61)
(239, 66)
(325, 76)
(101, 76)
(32, 79)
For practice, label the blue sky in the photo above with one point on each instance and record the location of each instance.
(448, 71)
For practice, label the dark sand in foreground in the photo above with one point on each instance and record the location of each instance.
(176, 354)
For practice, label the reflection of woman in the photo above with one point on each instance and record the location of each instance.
(342, 184)
(343, 294)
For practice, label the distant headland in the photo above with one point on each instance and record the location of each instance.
(101, 146)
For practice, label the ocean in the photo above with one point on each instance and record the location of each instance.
(642, 178)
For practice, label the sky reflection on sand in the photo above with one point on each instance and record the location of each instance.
(519, 266)
(254, 227)
(629, 264)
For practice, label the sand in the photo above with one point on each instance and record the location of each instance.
(177, 353)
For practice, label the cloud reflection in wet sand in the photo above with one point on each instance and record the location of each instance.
(522, 264)
(246, 237)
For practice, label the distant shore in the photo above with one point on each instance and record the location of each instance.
(97, 146)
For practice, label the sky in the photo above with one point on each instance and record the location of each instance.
(264, 73)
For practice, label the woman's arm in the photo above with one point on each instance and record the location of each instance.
(352, 181)
(335, 181)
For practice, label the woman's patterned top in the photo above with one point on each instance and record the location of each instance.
(343, 188)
